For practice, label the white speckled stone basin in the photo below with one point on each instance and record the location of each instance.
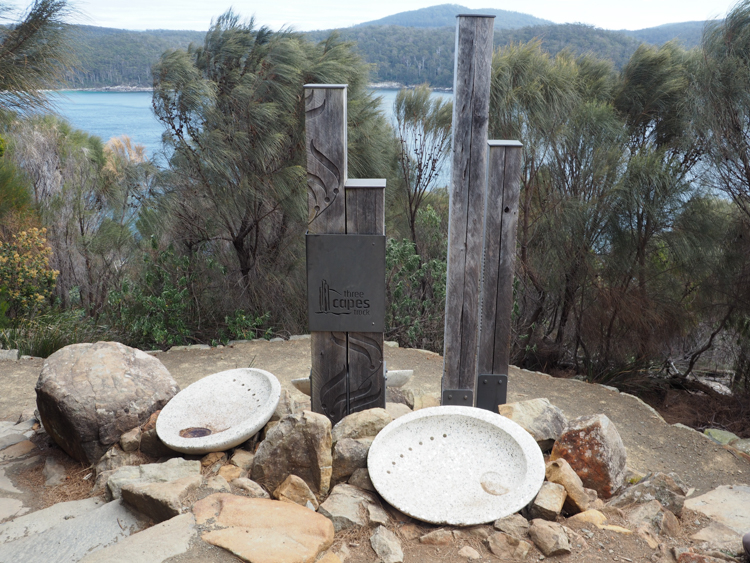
(456, 465)
(219, 411)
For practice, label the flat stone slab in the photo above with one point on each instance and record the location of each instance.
(42, 520)
(456, 465)
(728, 504)
(10, 507)
(73, 539)
(219, 412)
(155, 545)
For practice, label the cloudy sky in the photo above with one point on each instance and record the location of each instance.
(325, 14)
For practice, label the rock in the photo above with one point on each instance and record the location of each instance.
(410, 532)
(361, 479)
(299, 444)
(386, 545)
(549, 537)
(508, 547)
(661, 487)
(17, 451)
(116, 458)
(330, 557)
(426, 401)
(348, 456)
(346, 507)
(218, 484)
(593, 448)
(155, 545)
(544, 421)
(397, 409)
(438, 537)
(295, 490)
(689, 557)
(213, 458)
(242, 459)
(251, 488)
(130, 441)
(161, 501)
(653, 516)
(362, 424)
(175, 468)
(73, 539)
(560, 472)
(746, 543)
(11, 439)
(53, 472)
(589, 517)
(230, 472)
(261, 530)
(722, 437)
(376, 515)
(9, 355)
(10, 508)
(302, 385)
(469, 553)
(286, 406)
(44, 519)
(88, 395)
(6, 485)
(720, 537)
(742, 445)
(151, 445)
(548, 502)
(514, 525)
(398, 377)
(726, 505)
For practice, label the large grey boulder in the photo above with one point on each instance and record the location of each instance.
(543, 420)
(88, 395)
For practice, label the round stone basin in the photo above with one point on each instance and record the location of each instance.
(219, 411)
(456, 465)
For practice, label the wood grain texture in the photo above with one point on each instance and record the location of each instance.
(467, 198)
(501, 220)
(365, 215)
(325, 139)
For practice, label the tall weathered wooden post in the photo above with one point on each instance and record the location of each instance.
(471, 90)
(346, 283)
(500, 222)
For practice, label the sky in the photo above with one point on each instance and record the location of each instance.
(304, 15)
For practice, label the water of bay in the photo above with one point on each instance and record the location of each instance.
(112, 114)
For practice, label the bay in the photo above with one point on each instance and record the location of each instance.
(112, 114)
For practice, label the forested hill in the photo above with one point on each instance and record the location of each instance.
(397, 53)
(114, 57)
(444, 15)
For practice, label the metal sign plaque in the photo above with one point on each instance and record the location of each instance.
(346, 283)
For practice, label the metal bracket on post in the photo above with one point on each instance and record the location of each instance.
(492, 391)
(458, 397)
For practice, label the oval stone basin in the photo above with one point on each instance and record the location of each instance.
(219, 411)
(456, 465)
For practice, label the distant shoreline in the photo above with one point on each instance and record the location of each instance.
(374, 86)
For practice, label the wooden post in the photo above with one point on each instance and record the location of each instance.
(467, 200)
(365, 215)
(325, 131)
(501, 219)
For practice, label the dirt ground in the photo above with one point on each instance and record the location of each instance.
(652, 444)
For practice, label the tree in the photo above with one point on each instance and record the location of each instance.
(423, 127)
(234, 116)
(35, 54)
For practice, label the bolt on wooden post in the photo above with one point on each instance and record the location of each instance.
(471, 90)
(346, 274)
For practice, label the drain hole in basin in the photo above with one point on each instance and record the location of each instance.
(195, 432)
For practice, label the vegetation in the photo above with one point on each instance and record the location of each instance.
(634, 217)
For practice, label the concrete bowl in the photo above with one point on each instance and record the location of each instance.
(219, 411)
(456, 465)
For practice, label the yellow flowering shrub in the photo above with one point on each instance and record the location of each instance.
(26, 279)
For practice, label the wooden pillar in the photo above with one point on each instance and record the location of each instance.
(365, 215)
(325, 140)
(501, 219)
(467, 200)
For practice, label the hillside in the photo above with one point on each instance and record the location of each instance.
(444, 15)
(115, 57)
(687, 34)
